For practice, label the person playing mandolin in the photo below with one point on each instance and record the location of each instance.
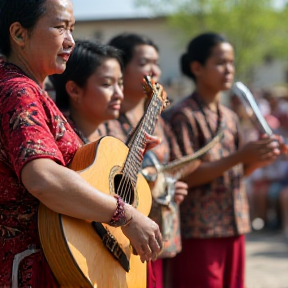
(215, 214)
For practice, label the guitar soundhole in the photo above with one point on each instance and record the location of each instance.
(124, 188)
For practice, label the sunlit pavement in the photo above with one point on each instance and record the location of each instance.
(266, 260)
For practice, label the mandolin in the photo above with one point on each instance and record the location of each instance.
(163, 176)
(83, 254)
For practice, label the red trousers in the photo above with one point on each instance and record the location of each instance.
(155, 274)
(209, 263)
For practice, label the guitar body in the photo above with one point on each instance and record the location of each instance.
(73, 249)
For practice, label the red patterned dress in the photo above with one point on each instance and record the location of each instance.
(31, 127)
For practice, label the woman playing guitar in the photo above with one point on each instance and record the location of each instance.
(37, 143)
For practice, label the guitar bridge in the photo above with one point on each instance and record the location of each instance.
(112, 245)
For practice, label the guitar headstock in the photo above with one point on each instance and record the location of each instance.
(151, 89)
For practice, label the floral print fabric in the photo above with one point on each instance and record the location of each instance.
(31, 127)
(219, 208)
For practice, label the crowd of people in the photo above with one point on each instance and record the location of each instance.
(194, 235)
(267, 187)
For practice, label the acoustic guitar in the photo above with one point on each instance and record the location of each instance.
(84, 254)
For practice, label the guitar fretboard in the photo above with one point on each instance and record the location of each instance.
(147, 125)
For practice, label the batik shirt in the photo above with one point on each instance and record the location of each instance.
(218, 208)
(31, 127)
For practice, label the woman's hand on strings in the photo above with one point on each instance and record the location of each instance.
(144, 235)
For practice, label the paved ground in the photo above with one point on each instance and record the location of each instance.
(267, 260)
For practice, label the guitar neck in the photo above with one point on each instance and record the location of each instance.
(137, 144)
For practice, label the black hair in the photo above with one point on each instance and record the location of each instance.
(26, 12)
(199, 49)
(86, 57)
(127, 42)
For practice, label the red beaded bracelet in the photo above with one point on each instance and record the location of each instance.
(119, 217)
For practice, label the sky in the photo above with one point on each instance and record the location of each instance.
(103, 9)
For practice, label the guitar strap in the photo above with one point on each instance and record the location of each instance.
(112, 245)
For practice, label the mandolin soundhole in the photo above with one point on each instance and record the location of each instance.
(124, 188)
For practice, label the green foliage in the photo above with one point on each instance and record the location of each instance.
(254, 27)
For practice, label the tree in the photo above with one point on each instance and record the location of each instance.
(255, 28)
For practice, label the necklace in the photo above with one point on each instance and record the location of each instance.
(200, 104)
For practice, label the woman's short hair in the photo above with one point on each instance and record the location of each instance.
(26, 12)
(127, 42)
(86, 57)
(199, 49)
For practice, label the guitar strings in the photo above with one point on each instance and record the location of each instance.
(148, 127)
(127, 168)
(131, 169)
(126, 186)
